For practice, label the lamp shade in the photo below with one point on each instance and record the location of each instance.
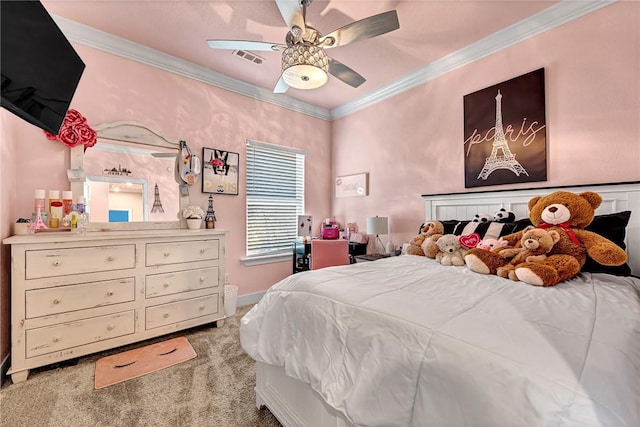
(305, 67)
(377, 225)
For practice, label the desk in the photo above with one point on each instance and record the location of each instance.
(302, 252)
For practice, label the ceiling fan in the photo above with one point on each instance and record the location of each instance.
(304, 62)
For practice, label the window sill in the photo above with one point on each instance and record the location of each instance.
(250, 261)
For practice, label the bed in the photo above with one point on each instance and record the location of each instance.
(404, 341)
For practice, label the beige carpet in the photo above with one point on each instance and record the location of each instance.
(141, 361)
(214, 389)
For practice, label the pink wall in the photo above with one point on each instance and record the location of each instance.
(113, 88)
(412, 144)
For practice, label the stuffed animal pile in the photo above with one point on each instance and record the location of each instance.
(567, 214)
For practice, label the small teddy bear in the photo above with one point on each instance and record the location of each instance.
(428, 230)
(536, 244)
(450, 249)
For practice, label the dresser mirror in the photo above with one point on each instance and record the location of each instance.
(128, 179)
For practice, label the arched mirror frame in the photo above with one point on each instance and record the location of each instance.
(129, 132)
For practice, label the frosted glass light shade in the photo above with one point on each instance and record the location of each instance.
(305, 67)
(377, 225)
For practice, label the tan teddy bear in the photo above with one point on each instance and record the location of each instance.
(429, 230)
(450, 250)
(568, 214)
(536, 243)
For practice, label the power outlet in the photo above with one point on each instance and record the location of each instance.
(227, 278)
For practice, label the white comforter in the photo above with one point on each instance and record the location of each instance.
(405, 341)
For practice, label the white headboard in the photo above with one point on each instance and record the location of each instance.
(615, 198)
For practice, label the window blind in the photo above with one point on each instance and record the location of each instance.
(275, 197)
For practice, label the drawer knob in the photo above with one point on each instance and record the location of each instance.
(110, 258)
(166, 285)
(202, 278)
(166, 254)
(201, 307)
(56, 301)
(203, 250)
(110, 293)
(165, 315)
(56, 339)
(57, 262)
(110, 327)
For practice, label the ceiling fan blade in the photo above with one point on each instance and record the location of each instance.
(363, 29)
(344, 73)
(292, 12)
(281, 86)
(244, 45)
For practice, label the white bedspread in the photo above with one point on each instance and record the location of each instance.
(405, 341)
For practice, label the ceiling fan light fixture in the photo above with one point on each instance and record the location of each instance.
(305, 66)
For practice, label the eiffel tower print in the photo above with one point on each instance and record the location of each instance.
(507, 160)
(157, 204)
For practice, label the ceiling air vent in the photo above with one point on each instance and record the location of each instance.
(248, 56)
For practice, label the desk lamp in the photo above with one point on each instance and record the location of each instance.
(378, 225)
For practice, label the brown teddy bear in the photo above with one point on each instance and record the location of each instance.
(536, 243)
(451, 251)
(429, 230)
(568, 214)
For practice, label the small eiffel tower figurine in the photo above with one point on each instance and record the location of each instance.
(210, 217)
(157, 204)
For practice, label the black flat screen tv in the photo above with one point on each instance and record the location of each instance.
(40, 69)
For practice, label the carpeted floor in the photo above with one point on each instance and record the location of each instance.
(214, 389)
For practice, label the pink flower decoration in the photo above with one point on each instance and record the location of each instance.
(216, 163)
(74, 130)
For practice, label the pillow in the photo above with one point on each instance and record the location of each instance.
(613, 227)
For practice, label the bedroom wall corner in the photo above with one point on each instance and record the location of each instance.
(412, 143)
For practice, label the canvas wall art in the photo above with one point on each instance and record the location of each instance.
(505, 138)
(220, 171)
(352, 185)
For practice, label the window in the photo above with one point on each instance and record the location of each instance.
(275, 197)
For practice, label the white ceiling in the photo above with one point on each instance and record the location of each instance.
(430, 32)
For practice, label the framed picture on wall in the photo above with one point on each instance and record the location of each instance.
(505, 138)
(220, 171)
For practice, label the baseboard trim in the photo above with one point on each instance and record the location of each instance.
(249, 299)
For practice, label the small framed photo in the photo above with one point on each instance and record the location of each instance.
(220, 171)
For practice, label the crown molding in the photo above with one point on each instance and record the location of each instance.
(545, 20)
(556, 15)
(109, 43)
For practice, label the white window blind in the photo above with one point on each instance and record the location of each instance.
(275, 197)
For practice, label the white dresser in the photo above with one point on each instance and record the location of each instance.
(72, 295)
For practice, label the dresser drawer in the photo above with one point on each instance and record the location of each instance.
(181, 281)
(166, 314)
(50, 339)
(176, 252)
(61, 262)
(43, 302)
